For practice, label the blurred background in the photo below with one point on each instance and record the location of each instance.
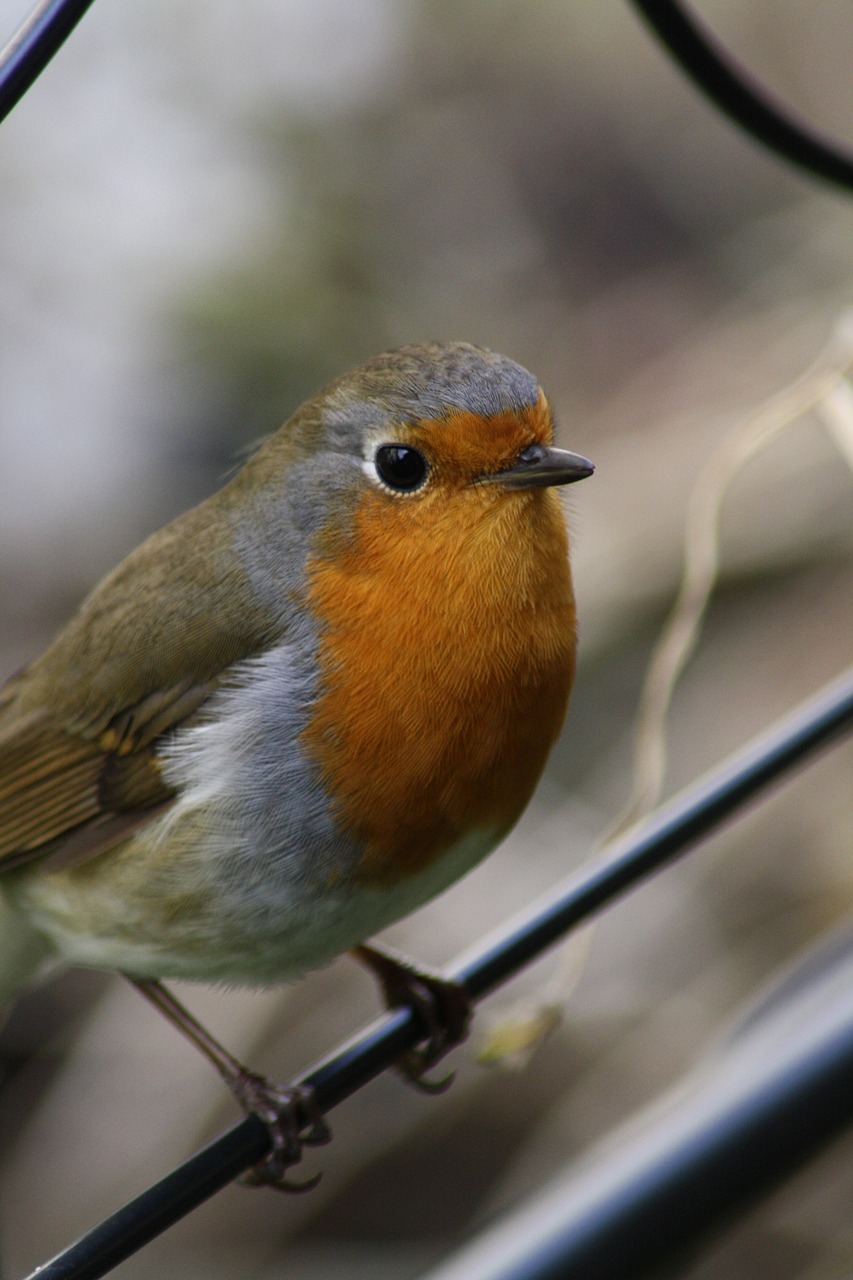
(207, 211)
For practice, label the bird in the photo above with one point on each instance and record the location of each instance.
(301, 709)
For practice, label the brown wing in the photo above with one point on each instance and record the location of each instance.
(80, 728)
(64, 797)
(48, 785)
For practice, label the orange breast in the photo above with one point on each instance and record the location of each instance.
(447, 656)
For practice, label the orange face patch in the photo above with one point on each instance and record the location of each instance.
(463, 446)
(447, 642)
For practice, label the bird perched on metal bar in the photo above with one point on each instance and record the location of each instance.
(303, 708)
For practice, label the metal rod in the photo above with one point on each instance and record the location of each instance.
(30, 49)
(751, 1114)
(668, 834)
(739, 95)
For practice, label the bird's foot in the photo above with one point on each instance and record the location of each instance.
(290, 1113)
(442, 1005)
(292, 1119)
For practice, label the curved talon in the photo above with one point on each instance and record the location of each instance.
(266, 1174)
(413, 1068)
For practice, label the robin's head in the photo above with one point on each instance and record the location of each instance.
(421, 424)
(426, 448)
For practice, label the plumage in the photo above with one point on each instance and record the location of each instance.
(309, 703)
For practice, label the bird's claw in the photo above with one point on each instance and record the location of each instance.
(292, 1119)
(442, 1005)
(414, 1065)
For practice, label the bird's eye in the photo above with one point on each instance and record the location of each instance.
(400, 467)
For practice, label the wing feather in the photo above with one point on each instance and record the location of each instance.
(81, 728)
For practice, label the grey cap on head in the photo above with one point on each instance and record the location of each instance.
(427, 379)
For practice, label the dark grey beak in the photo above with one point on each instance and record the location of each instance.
(539, 465)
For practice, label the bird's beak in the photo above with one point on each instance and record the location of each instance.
(539, 465)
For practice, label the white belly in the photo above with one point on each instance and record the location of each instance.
(255, 943)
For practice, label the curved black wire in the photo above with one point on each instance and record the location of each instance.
(30, 49)
(733, 90)
(739, 95)
(664, 837)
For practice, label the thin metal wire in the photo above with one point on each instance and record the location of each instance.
(739, 95)
(670, 832)
(30, 49)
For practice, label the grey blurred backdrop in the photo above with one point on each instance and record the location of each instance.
(209, 209)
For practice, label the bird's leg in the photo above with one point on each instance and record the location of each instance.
(289, 1112)
(442, 1005)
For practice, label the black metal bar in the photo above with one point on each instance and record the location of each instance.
(748, 1117)
(32, 46)
(739, 95)
(664, 837)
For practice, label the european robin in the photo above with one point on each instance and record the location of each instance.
(305, 706)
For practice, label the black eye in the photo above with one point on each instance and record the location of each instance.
(400, 467)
